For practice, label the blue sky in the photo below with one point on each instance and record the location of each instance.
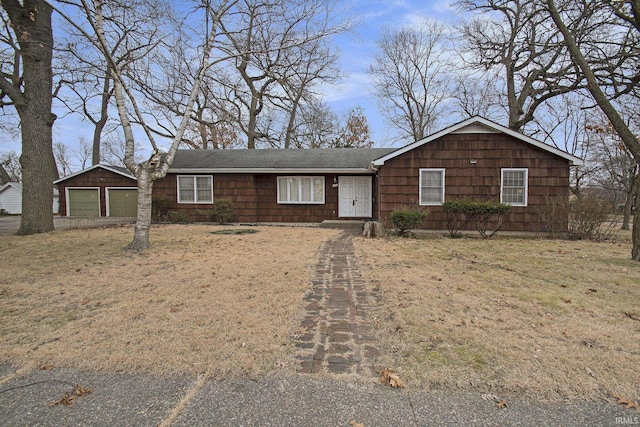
(356, 55)
(358, 48)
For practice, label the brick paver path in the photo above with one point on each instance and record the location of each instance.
(337, 334)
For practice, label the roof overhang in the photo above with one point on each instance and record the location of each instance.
(107, 167)
(299, 171)
(490, 126)
(15, 185)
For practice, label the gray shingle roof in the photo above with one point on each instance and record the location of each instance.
(278, 159)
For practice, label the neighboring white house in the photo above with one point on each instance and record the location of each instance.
(11, 198)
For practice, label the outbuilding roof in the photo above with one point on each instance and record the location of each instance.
(330, 160)
(15, 185)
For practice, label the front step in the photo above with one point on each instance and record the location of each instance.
(342, 224)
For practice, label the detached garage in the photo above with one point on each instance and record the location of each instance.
(101, 190)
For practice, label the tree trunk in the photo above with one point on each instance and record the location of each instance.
(143, 221)
(635, 233)
(373, 229)
(630, 202)
(624, 132)
(101, 123)
(32, 24)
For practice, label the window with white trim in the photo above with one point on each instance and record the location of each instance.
(513, 186)
(195, 189)
(301, 189)
(431, 186)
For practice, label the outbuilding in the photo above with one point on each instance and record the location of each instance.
(99, 191)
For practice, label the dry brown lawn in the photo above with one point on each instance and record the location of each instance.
(195, 302)
(542, 318)
(548, 319)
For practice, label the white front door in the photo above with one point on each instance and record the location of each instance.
(354, 194)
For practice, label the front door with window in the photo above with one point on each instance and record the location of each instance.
(354, 194)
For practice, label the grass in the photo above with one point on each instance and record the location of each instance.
(540, 318)
(194, 302)
(543, 318)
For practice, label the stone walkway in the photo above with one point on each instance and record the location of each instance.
(337, 334)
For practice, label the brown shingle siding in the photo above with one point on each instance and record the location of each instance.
(548, 175)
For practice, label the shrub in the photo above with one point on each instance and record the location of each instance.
(178, 217)
(159, 209)
(206, 213)
(589, 218)
(404, 220)
(223, 211)
(554, 215)
(462, 212)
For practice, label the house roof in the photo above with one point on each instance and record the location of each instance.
(330, 160)
(479, 125)
(16, 185)
(115, 169)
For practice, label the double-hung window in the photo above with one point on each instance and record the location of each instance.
(431, 186)
(513, 188)
(195, 189)
(301, 189)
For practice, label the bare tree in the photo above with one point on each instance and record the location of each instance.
(113, 151)
(316, 125)
(268, 42)
(157, 165)
(10, 168)
(63, 158)
(272, 55)
(618, 172)
(355, 132)
(620, 22)
(477, 94)
(306, 66)
(132, 30)
(410, 76)
(26, 84)
(518, 38)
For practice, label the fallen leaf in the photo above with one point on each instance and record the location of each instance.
(82, 391)
(353, 423)
(590, 372)
(502, 404)
(66, 400)
(299, 332)
(387, 376)
(491, 397)
(627, 402)
(46, 367)
(69, 398)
